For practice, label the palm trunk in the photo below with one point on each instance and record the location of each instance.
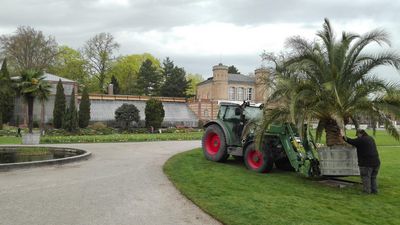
(30, 113)
(42, 118)
(333, 136)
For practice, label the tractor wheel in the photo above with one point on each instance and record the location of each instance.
(258, 161)
(214, 145)
(284, 164)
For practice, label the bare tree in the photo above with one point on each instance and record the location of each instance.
(28, 49)
(98, 51)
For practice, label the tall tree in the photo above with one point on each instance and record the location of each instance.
(154, 112)
(175, 84)
(7, 94)
(115, 84)
(98, 51)
(331, 80)
(193, 79)
(28, 49)
(70, 122)
(70, 64)
(149, 79)
(233, 70)
(126, 70)
(30, 85)
(84, 109)
(59, 106)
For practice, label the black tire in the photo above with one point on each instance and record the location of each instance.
(214, 144)
(258, 161)
(284, 164)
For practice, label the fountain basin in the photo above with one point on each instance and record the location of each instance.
(31, 156)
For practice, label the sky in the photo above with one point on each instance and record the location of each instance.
(197, 34)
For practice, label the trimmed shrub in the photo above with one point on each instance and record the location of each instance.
(98, 126)
(155, 113)
(59, 106)
(71, 115)
(126, 114)
(84, 109)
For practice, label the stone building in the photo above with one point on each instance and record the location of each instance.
(177, 112)
(223, 86)
(21, 109)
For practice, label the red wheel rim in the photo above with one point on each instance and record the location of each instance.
(212, 143)
(255, 159)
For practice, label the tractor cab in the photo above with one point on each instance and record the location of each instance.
(235, 117)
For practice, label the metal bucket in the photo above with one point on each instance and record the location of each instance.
(338, 161)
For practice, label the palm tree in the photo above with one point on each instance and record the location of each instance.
(332, 81)
(31, 84)
(43, 94)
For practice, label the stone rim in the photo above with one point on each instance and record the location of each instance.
(8, 166)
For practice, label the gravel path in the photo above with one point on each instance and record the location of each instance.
(120, 184)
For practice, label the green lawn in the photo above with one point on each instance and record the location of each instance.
(235, 195)
(381, 137)
(108, 138)
(9, 140)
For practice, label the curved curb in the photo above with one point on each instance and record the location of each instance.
(20, 165)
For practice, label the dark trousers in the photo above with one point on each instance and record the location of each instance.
(368, 177)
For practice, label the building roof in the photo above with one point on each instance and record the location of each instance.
(209, 80)
(49, 77)
(233, 78)
(239, 78)
(52, 77)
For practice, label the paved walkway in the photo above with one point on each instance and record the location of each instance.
(121, 184)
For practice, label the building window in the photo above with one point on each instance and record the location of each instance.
(232, 93)
(250, 94)
(240, 92)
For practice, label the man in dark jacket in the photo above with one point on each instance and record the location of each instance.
(368, 160)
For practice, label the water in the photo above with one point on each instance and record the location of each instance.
(17, 155)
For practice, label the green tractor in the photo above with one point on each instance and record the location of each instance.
(233, 133)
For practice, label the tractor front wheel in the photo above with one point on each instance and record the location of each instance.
(214, 145)
(258, 160)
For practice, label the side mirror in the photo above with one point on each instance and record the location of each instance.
(238, 111)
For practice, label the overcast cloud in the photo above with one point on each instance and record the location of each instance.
(198, 34)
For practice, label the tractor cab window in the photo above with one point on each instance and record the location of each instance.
(230, 114)
(254, 113)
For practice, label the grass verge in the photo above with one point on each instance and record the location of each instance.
(234, 195)
(108, 138)
(10, 140)
(121, 138)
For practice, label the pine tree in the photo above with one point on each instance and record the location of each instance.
(71, 115)
(175, 80)
(233, 70)
(115, 84)
(154, 112)
(84, 109)
(59, 106)
(7, 95)
(149, 79)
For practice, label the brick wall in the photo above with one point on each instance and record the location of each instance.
(205, 109)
